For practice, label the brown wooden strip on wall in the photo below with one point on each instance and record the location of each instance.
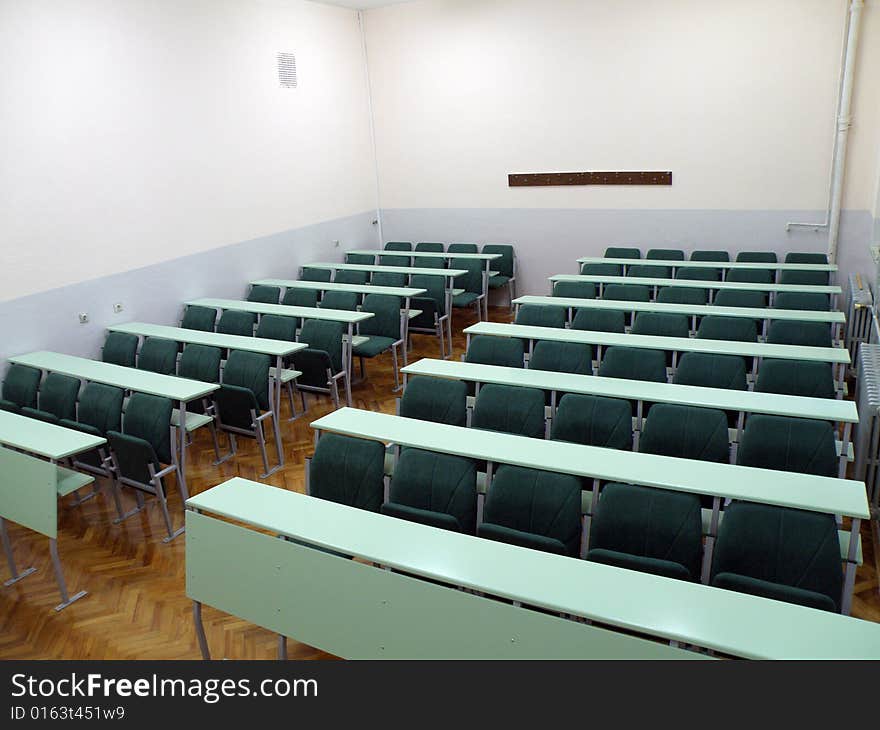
(635, 177)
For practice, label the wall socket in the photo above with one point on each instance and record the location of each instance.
(83, 317)
(117, 308)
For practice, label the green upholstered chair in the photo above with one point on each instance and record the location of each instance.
(593, 421)
(235, 322)
(346, 300)
(321, 362)
(737, 298)
(627, 292)
(757, 257)
(649, 530)
(242, 403)
(682, 295)
(434, 317)
(710, 256)
(462, 248)
(488, 350)
(562, 357)
(435, 399)
(737, 329)
(120, 348)
(506, 268)
(439, 490)
(388, 278)
(698, 273)
(57, 399)
(429, 247)
(599, 320)
(751, 276)
(796, 377)
(429, 262)
(158, 355)
(779, 553)
(300, 298)
(800, 445)
(471, 282)
(648, 271)
(622, 252)
(264, 294)
(199, 318)
(100, 411)
(802, 300)
(398, 246)
(344, 276)
(665, 254)
(686, 432)
(661, 324)
(347, 471)
(633, 363)
(277, 327)
(711, 371)
(20, 388)
(201, 362)
(533, 509)
(396, 260)
(510, 409)
(602, 270)
(360, 258)
(384, 330)
(537, 315)
(792, 332)
(143, 454)
(808, 278)
(574, 289)
(310, 274)
(795, 257)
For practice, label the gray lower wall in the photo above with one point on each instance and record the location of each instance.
(548, 241)
(49, 320)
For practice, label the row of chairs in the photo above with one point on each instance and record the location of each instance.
(769, 551)
(785, 377)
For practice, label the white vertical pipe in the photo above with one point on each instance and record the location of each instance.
(843, 124)
(378, 221)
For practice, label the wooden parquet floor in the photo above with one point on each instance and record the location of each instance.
(137, 606)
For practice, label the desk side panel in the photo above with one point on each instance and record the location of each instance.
(358, 611)
(28, 492)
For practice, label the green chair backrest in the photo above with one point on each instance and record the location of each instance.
(277, 327)
(235, 322)
(390, 260)
(593, 421)
(300, 298)
(711, 371)
(627, 292)
(802, 300)
(535, 509)
(562, 357)
(234, 406)
(462, 248)
(58, 395)
(622, 252)
(385, 321)
(488, 350)
(249, 370)
(158, 355)
(779, 553)
(429, 247)
(350, 277)
(435, 399)
(800, 445)
(472, 281)
(20, 387)
(120, 348)
(574, 289)
(509, 409)
(796, 257)
(435, 287)
(649, 271)
(682, 295)
(264, 294)
(686, 432)
(359, 258)
(429, 262)
(796, 377)
(738, 329)
(346, 300)
(694, 273)
(199, 318)
(200, 362)
(504, 265)
(315, 274)
(809, 278)
(634, 364)
(100, 407)
(651, 530)
(734, 298)
(538, 315)
(134, 456)
(661, 324)
(757, 257)
(435, 489)
(666, 254)
(599, 320)
(348, 471)
(322, 336)
(602, 270)
(792, 332)
(710, 256)
(398, 246)
(387, 278)
(148, 417)
(750, 276)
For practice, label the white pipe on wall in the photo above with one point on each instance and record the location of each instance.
(378, 220)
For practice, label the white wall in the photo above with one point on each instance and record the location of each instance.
(139, 131)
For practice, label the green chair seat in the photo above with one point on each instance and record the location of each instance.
(440, 520)
(655, 566)
(465, 299)
(375, 345)
(498, 281)
(774, 591)
(530, 540)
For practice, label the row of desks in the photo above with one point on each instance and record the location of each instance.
(724, 266)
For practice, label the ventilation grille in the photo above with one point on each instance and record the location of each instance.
(287, 70)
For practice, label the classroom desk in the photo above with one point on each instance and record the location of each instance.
(248, 574)
(837, 410)
(711, 286)
(720, 481)
(837, 356)
(177, 389)
(725, 266)
(348, 318)
(835, 319)
(404, 292)
(31, 487)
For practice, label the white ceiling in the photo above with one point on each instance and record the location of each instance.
(362, 4)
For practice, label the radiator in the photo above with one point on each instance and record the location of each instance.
(867, 432)
(859, 316)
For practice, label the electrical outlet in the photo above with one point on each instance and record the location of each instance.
(83, 317)
(335, 244)
(117, 308)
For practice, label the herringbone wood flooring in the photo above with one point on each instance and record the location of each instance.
(137, 606)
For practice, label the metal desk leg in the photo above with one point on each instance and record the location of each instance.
(200, 630)
(282, 647)
(10, 559)
(59, 576)
(275, 399)
(844, 449)
(486, 291)
(349, 359)
(850, 575)
(710, 541)
(181, 453)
